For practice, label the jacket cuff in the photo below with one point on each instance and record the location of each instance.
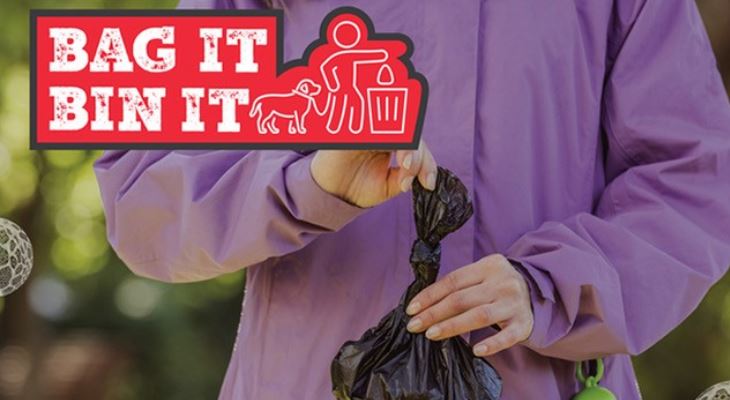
(311, 203)
(542, 298)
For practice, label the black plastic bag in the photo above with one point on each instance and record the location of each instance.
(390, 363)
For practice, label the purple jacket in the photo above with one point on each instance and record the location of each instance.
(595, 137)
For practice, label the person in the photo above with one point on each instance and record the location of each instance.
(339, 73)
(595, 140)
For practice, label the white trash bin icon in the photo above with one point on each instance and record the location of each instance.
(387, 105)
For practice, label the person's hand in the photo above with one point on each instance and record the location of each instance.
(366, 178)
(333, 85)
(487, 292)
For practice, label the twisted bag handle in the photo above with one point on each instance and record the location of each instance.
(436, 213)
(390, 363)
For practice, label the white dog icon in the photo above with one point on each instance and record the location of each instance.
(293, 106)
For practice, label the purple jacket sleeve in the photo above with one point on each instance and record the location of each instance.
(620, 278)
(191, 215)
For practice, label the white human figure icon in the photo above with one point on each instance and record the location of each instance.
(339, 73)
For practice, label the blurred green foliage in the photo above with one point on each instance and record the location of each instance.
(179, 337)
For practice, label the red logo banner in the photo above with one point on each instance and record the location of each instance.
(216, 79)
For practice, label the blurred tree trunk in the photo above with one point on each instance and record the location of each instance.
(19, 326)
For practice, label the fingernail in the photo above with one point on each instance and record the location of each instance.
(407, 161)
(431, 181)
(405, 184)
(414, 325)
(433, 332)
(413, 308)
(480, 350)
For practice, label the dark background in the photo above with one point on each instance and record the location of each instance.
(86, 328)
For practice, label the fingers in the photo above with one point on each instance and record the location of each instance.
(452, 305)
(513, 333)
(487, 292)
(409, 162)
(427, 174)
(475, 318)
(417, 163)
(406, 158)
(461, 278)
